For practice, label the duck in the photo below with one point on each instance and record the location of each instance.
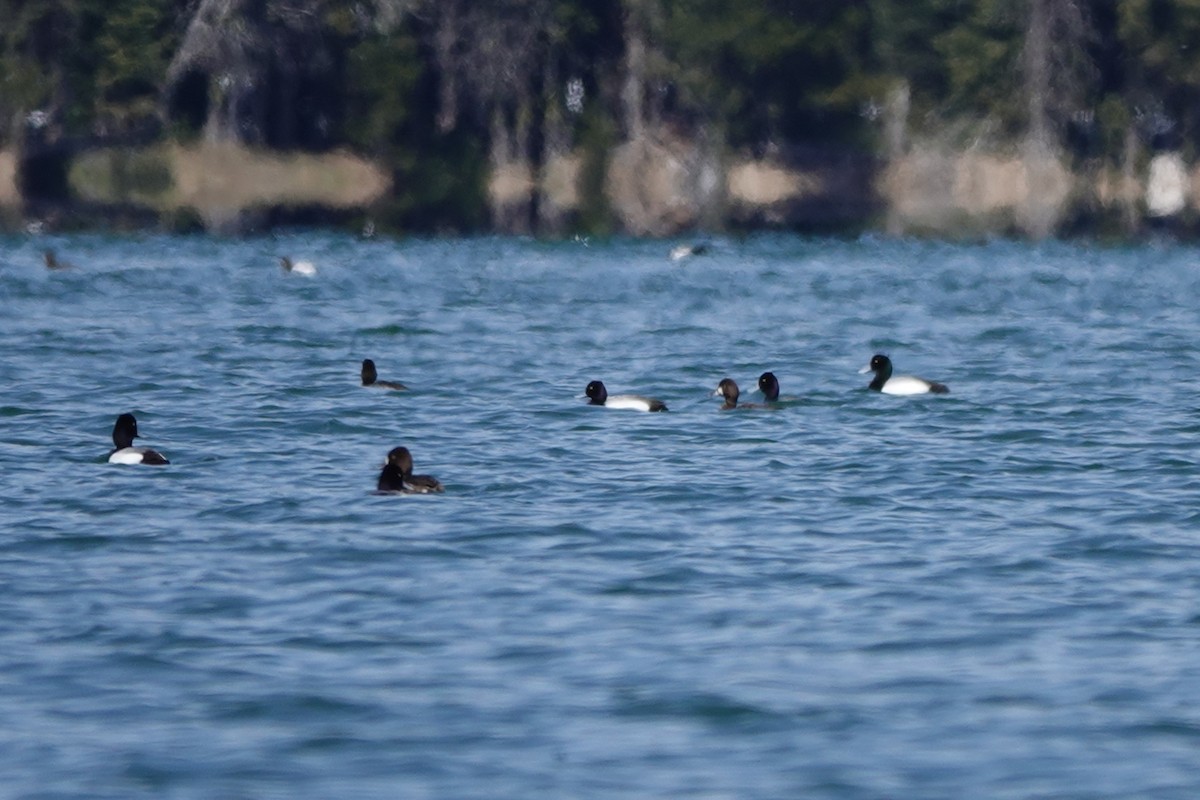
(305, 268)
(768, 384)
(680, 252)
(370, 377)
(124, 432)
(728, 389)
(598, 396)
(884, 381)
(397, 475)
(53, 262)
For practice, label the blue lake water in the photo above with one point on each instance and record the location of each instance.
(993, 593)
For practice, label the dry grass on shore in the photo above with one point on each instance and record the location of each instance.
(222, 179)
(9, 196)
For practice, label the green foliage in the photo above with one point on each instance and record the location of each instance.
(440, 187)
(1162, 42)
(981, 53)
(597, 137)
(771, 70)
(133, 49)
(382, 79)
(121, 175)
(91, 63)
(438, 179)
(32, 37)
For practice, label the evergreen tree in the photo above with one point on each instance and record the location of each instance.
(1161, 42)
(771, 71)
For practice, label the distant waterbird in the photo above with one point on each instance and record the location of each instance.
(680, 252)
(305, 268)
(370, 377)
(54, 262)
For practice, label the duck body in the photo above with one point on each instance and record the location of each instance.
(124, 432)
(137, 455)
(887, 383)
(370, 377)
(598, 395)
(305, 268)
(680, 252)
(397, 475)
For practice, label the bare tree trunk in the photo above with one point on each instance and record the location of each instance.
(1037, 75)
(895, 133)
(512, 185)
(499, 155)
(1129, 189)
(445, 35)
(1058, 67)
(549, 217)
(633, 90)
(1057, 71)
(1035, 217)
(895, 120)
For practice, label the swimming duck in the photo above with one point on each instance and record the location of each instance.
(884, 381)
(680, 252)
(305, 268)
(124, 432)
(728, 389)
(598, 396)
(397, 475)
(768, 384)
(370, 377)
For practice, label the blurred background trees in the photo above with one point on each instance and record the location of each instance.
(450, 93)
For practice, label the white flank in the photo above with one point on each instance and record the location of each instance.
(126, 455)
(905, 384)
(629, 401)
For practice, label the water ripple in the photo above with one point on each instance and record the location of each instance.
(848, 595)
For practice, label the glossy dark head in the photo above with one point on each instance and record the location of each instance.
(124, 431)
(401, 459)
(881, 365)
(286, 263)
(596, 393)
(769, 386)
(369, 375)
(397, 467)
(728, 389)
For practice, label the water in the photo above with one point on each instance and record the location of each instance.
(994, 593)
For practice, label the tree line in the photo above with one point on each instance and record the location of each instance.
(442, 92)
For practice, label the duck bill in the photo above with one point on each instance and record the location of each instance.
(865, 370)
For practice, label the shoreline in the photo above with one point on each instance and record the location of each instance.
(652, 187)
